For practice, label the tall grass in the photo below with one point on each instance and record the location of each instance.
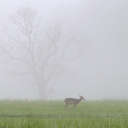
(53, 114)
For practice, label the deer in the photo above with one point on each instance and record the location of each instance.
(73, 101)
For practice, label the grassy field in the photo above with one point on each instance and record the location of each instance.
(53, 114)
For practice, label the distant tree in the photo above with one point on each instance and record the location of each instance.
(41, 48)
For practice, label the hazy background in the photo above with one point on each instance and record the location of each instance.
(100, 72)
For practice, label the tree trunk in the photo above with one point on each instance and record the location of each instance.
(43, 93)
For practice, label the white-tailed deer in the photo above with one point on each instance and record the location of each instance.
(73, 101)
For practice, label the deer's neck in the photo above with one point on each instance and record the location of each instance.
(79, 100)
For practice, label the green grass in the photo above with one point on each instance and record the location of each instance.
(53, 114)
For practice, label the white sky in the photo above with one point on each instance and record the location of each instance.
(101, 72)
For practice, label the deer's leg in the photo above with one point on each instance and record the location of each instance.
(66, 105)
(74, 105)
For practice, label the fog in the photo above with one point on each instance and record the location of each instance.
(100, 71)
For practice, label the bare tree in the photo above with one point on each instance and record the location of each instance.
(41, 48)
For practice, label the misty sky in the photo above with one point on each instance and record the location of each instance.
(101, 72)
